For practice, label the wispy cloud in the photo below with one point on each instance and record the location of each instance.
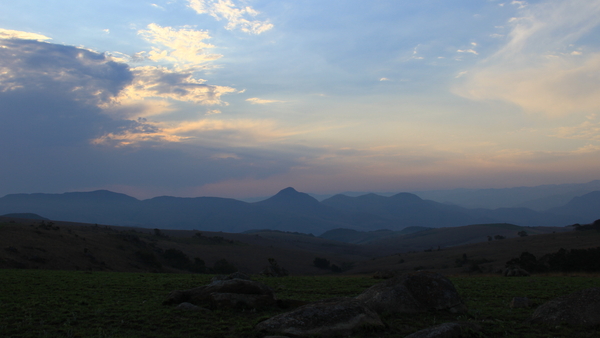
(256, 100)
(11, 34)
(534, 69)
(472, 51)
(520, 4)
(184, 46)
(588, 130)
(237, 17)
(221, 133)
(154, 88)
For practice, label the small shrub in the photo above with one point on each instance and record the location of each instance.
(148, 258)
(322, 263)
(222, 266)
(198, 266)
(177, 259)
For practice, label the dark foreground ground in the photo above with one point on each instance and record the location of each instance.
(43, 303)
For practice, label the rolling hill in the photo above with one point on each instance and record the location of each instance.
(35, 244)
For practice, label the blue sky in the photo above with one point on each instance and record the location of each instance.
(240, 98)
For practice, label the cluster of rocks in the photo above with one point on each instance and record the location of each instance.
(417, 292)
(233, 291)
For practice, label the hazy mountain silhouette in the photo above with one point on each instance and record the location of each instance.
(26, 216)
(539, 198)
(404, 208)
(289, 197)
(288, 210)
(586, 206)
(101, 206)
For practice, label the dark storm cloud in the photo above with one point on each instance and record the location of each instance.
(51, 109)
(50, 94)
(65, 71)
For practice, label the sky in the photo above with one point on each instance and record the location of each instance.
(242, 98)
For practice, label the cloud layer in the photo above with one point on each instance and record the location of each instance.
(543, 67)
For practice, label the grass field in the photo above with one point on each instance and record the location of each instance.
(42, 303)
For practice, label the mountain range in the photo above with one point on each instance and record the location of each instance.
(288, 210)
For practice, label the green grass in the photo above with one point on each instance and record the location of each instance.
(37, 303)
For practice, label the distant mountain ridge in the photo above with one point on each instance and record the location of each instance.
(288, 210)
(538, 198)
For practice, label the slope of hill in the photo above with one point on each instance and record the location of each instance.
(434, 239)
(362, 237)
(483, 257)
(75, 246)
(26, 215)
(71, 246)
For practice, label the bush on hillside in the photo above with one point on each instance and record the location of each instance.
(177, 259)
(222, 266)
(321, 263)
(148, 258)
(198, 266)
(585, 260)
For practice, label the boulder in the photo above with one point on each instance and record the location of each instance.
(519, 302)
(446, 330)
(415, 292)
(190, 307)
(326, 318)
(514, 271)
(578, 308)
(249, 294)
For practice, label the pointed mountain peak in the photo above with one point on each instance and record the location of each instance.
(289, 191)
(290, 196)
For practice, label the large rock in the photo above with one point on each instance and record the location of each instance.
(578, 308)
(332, 317)
(226, 294)
(515, 271)
(415, 292)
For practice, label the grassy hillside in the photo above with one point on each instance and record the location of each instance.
(454, 236)
(34, 244)
(73, 246)
(490, 257)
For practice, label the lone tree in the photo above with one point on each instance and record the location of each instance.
(522, 233)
